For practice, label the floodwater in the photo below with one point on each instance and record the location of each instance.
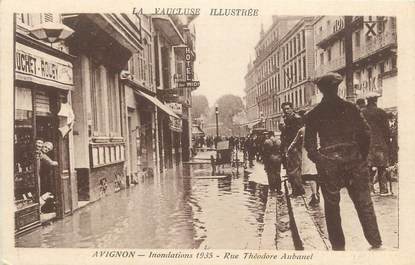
(177, 210)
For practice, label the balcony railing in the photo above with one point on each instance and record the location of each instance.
(374, 44)
(333, 65)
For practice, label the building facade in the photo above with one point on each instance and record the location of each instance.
(373, 54)
(109, 93)
(43, 89)
(284, 65)
(251, 96)
(103, 45)
(295, 50)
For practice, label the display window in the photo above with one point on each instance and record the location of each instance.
(25, 189)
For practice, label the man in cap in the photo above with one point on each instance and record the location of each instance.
(292, 123)
(361, 104)
(378, 157)
(344, 138)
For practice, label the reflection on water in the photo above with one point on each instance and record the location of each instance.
(174, 211)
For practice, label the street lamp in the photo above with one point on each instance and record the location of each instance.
(51, 32)
(217, 126)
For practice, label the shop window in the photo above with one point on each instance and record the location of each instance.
(321, 58)
(26, 194)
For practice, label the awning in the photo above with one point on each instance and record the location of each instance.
(158, 103)
(166, 25)
(197, 131)
(252, 124)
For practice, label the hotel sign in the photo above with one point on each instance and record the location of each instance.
(192, 84)
(39, 67)
(189, 64)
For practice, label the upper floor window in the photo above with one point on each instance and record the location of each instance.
(295, 45)
(329, 54)
(357, 38)
(32, 19)
(303, 37)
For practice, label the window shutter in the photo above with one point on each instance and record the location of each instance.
(47, 17)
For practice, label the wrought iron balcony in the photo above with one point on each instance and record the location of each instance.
(332, 66)
(375, 44)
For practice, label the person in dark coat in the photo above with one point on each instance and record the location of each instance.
(289, 129)
(344, 138)
(378, 157)
(272, 162)
(249, 149)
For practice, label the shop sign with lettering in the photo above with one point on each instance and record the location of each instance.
(175, 124)
(191, 84)
(189, 64)
(39, 67)
(176, 107)
(338, 25)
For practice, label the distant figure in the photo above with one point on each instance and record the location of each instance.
(249, 149)
(378, 158)
(344, 138)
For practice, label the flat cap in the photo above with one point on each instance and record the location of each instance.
(329, 79)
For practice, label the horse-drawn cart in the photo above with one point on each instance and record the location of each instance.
(224, 155)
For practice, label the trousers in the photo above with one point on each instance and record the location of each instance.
(273, 170)
(333, 176)
(293, 169)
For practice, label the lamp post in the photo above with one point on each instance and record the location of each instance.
(217, 126)
(262, 118)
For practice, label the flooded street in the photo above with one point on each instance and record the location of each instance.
(178, 211)
(191, 209)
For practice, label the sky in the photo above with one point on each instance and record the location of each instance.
(223, 48)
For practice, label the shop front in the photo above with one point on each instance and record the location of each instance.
(43, 120)
(103, 45)
(169, 126)
(141, 140)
